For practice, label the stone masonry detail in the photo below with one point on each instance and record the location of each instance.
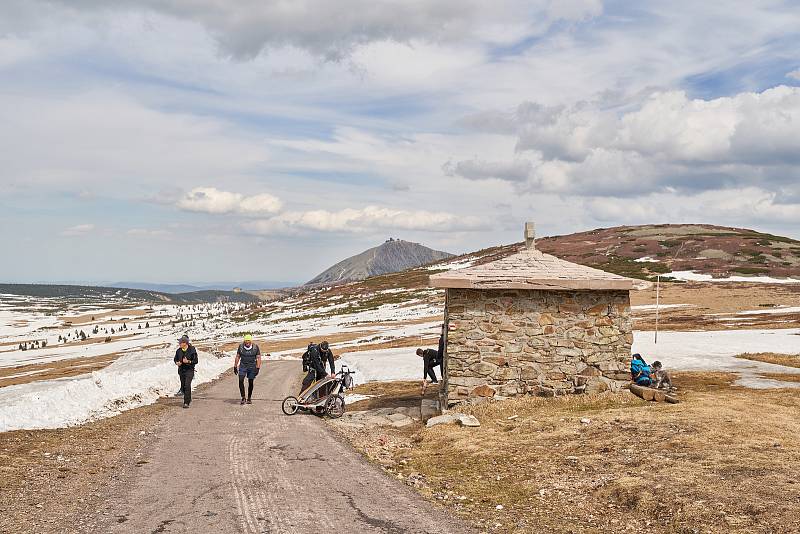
(508, 342)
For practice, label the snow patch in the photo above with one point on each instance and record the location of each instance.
(692, 276)
(661, 306)
(134, 380)
(384, 365)
(717, 351)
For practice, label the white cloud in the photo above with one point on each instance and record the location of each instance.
(78, 230)
(148, 233)
(517, 170)
(795, 74)
(667, 140)
(333, 29)
(367, 219)
(212, 200)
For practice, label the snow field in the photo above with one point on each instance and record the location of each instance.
(134, 380)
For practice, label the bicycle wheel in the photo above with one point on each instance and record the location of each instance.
(289, 405)
(334, 406)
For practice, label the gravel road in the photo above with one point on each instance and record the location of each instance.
(221, 467)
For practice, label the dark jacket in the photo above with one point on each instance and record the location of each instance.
(190, 354)
(431, 355)
(312, 359)
(327, 355)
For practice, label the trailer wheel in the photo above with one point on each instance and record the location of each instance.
(289, 405)
(334, 407)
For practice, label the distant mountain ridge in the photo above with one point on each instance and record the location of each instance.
(100, 293)
(392, 256)
(211, 286)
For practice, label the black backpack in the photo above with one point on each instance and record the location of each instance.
(311, 355)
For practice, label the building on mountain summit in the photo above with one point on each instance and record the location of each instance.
(531, 323)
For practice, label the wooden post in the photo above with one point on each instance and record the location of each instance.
(658, 295)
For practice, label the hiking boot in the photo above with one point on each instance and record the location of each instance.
(179, 393)
(249, 401)
(185, 405)
(242, 403)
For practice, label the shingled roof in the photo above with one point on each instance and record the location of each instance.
(531, 269)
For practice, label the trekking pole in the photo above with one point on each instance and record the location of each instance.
(658, 291)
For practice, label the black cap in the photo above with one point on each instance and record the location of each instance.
(184, 339)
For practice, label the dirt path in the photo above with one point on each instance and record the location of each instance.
(221, 467)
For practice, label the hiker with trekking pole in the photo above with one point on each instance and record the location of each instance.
(247, 365)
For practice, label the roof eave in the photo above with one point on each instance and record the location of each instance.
(544, 284)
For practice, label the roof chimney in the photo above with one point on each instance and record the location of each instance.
(530, 236)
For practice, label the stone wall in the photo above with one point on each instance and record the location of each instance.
(513, 342)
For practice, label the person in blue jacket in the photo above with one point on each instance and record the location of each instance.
(640, 371)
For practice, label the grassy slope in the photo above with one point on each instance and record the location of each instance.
(716, 462)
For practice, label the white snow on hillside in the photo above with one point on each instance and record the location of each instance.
(385, 364)
(646, 259)
(779, 309)
(717, 351)
(692, 276)
(646, 307)
(133, 380)
(452, 265)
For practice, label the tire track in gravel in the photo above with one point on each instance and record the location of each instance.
(225, 468)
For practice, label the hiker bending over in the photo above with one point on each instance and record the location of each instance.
(326, 355)
(660, 377)
(640, 371)
(312, 364)
(247, 364)
(430, 359)
(186, 359)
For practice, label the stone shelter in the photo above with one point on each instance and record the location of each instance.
(531, 323)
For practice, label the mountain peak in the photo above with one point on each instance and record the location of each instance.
(391, 256)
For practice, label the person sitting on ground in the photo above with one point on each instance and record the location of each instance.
(186, 359)
(661, 377)
(247, 364)
(640, 371)
(430, 359)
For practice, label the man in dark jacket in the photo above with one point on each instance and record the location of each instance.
(326, 355)
(430, 359)
(186, 359)
(312, 364)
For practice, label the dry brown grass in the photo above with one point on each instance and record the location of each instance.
(717, 462)
(57, 369)
(392, 394)
(298, 344)
(62, 368)
(80, 320)
(49, 479)
(787, 360)
(707, 299)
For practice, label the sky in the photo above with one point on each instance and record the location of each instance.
(208, 140)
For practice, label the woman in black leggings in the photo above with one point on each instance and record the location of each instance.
(248, 364)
